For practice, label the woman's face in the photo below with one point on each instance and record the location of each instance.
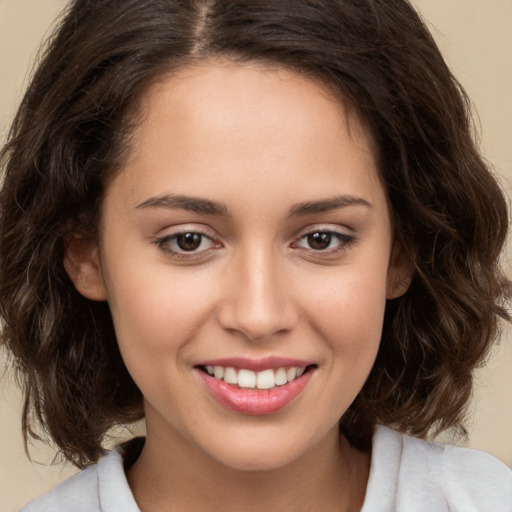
(248, 231)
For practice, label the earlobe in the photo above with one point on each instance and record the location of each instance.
(82, 264)
(400, 271)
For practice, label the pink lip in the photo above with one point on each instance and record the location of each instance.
(253, 401)
(256, 365)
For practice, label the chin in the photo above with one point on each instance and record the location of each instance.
(257, 461)
(259, 451)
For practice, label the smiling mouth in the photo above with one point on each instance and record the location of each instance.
(263, 380)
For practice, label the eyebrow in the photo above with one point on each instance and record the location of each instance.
(188, 203)
(327, 205)
(209, 207)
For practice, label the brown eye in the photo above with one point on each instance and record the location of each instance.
(319, 241)
(326, 242)
(189, 241)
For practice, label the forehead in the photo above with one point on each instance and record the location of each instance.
(223, 125)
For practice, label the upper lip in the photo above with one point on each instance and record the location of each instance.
(256, 365)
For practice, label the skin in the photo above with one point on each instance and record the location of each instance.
(259, 141)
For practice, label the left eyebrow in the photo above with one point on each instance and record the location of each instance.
(327, 205)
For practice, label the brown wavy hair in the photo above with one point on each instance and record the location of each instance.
(72, 132)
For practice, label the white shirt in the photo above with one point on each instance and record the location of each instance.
(406, 475)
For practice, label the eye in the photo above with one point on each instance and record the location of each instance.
(325, 241)
(189, 241)
(186, 242)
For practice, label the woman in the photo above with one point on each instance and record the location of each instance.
(264, 227)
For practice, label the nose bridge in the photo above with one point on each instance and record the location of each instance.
(258, 303)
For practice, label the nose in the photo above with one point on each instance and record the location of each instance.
(257, 301)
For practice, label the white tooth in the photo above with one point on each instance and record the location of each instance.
(291, 373)
(246, 379)
(281, 377)
(265, 379)
(209, 369)
(230, 376)
(218, 371)
(300, 371)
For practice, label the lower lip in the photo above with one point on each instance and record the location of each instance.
(255, 402)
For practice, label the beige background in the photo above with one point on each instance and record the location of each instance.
(476, 38)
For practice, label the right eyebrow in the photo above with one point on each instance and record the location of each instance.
(188, 203)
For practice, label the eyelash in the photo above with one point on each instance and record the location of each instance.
(345, 241)
(163, 244)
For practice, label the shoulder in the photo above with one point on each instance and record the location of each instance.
(80, 493)
(476, 477)
(414, 474)
(99, 488)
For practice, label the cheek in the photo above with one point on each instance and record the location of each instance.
(347, 308)
(156, 310)
(342, 312)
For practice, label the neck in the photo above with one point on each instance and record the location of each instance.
(332, 477)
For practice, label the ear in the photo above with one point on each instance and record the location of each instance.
(82, 263)
(400, 270)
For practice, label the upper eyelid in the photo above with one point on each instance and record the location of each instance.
(171, 232)
(325, 228)
(341, 236)
(184, 232)
(337, 234)
(186, 228)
